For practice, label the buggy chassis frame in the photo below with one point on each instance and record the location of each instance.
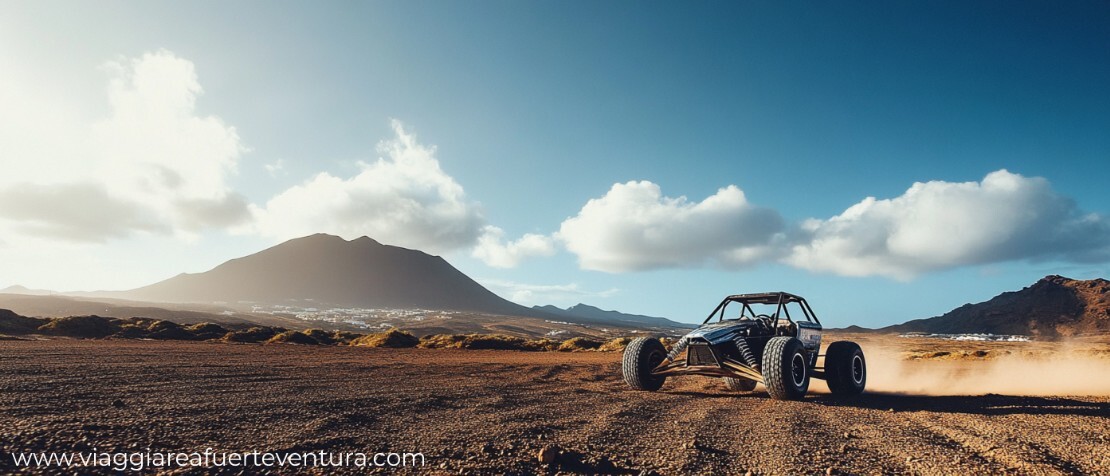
(729, 367)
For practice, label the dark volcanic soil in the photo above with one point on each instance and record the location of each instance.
(489, 412)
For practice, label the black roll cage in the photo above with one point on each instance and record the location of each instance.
(779, 299)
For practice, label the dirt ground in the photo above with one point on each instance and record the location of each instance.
(491, 412)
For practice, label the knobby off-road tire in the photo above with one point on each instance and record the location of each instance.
(737, 384)
(641, 356)
(845, 368)
(785, 369)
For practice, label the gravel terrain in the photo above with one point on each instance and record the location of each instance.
(498, 412)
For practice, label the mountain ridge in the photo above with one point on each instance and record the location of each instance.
(24, 290)
(591, 314)
(1053, 307)
(330, 271)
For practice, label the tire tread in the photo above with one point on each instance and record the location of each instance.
(838, 368)
(777, 356)
(634, 364)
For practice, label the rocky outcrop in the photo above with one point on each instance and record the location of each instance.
(1054, 306)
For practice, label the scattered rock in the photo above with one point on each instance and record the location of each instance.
(118, 403)
(547, 454)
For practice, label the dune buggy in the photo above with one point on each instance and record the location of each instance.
(772, 348)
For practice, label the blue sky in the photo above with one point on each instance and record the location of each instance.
(536, 108)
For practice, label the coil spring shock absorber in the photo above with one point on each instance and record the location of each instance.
(745, 351)
(677, 350)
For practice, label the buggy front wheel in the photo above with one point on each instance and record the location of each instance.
(786, 369)
(642, 356)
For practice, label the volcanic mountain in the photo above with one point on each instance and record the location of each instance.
(1054, 306)
(327, 271)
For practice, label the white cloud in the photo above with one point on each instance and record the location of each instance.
(634, 227)
(153, 161)
(403, 198)
(543, 294)
(939, 225)
(73, 212)
(276, 168)
(494, 252)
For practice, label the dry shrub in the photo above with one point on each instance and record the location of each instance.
(167, 330)
(542, 345)
(485, 342)
(321, 336)
(577, 344)
(91, 327)
(344, 337)
(292, 337)
(207, 330)
(442, 341)
(494, 342)
(133, 329)
(253, 334)
(143, 322)
(12, 323)
(392, 338)
(615, 345)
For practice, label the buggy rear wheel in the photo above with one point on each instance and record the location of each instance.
(845, 368)
(642, 356)
(785, 369)
(739, 384)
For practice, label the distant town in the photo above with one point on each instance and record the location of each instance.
(361, 318)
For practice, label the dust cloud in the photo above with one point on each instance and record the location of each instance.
(1061, 373)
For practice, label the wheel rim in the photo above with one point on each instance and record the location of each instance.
(655, 359)
(857, 369)
(798, 369)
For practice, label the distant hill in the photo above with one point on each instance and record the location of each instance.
(17, 289)
(334, 275)
(1054, 306)
(328, 271)
(62, 306)
(587, 314)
